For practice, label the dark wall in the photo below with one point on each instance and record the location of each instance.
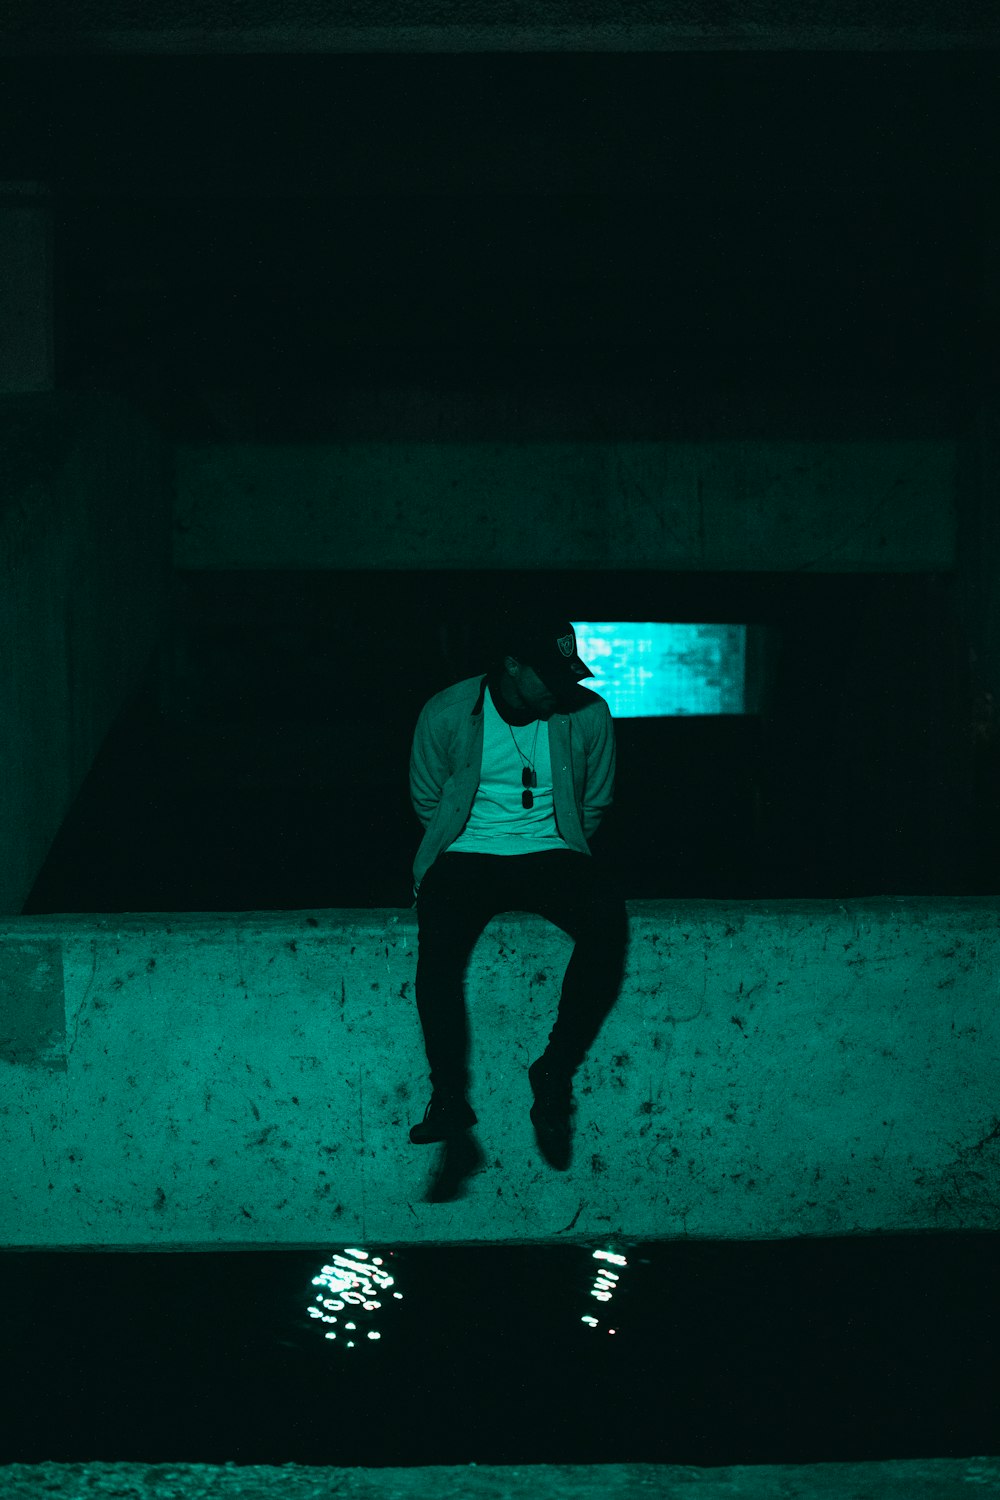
(270, 237)
(286, 221)
(278, 775)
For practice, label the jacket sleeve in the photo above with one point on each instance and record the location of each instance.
(600, 788)
(429, 766)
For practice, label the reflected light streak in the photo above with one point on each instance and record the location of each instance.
(353, 1280)
(606, 1282)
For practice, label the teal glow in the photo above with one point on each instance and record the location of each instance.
(653, 669)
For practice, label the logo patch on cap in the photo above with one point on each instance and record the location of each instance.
(566, 644)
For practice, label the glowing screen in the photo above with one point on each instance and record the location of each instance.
(652, 670)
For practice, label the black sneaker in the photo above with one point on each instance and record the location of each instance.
(447, 1115)
(552, 1114)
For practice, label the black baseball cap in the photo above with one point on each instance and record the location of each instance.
(549, 646)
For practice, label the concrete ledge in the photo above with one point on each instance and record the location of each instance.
(771, 1069)
(909, 1479)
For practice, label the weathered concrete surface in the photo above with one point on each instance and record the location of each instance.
(909, 1479)
(876, 506)
(771, 1069)
(84, 594)
(474, 25)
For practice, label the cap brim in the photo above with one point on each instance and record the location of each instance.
(559, 682)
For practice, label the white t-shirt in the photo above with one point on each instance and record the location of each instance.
(497, 822)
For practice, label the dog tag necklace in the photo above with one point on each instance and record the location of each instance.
(528, 777)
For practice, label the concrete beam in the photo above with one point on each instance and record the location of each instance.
(306, 26)
(755, 506)
(772, 1069)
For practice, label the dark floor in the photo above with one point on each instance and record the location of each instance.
(804, 1351)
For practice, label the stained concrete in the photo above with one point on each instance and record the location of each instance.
(205, 26)
(861, 506)
(771, 1069)
(907, 1479)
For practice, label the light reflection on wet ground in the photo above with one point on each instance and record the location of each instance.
(687, 1352)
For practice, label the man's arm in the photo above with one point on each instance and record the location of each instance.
(601, 759)
(429, 768)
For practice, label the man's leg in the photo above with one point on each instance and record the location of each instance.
(578, 894)
(454, 903)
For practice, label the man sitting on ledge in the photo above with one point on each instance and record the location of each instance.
(510, 774)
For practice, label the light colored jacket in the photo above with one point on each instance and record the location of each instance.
(447, 756)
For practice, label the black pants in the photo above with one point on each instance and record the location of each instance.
(459, 895)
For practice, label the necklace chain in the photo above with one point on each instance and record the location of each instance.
(531, 762)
